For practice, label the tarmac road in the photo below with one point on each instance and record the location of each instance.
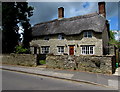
(21, 81)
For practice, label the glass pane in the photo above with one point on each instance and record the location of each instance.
(62, 49)
(42, 50)
(83, 48)
(85, 34)
(89, 34)
(60, 37)
(48, 49)
(91, 50)
(87, 49)
(59, 49)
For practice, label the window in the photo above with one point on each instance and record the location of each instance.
(60, 37)
(87, 50)
(60, 49)
(45, 49)
(46, 38)
(88, 34)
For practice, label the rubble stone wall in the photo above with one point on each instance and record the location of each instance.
(97, 64)
(20, 59)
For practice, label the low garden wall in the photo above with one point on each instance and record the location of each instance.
(97, 64)
(20, 59)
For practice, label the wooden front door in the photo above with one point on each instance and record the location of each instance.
(71, 50)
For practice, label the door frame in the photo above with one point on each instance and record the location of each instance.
(69, 49)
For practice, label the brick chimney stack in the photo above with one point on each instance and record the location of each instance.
(101, 6)
(60, 12)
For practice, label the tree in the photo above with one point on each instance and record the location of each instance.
(113, 41)
(112, 35)
(10, 28)
(25, 12)
(15, 13)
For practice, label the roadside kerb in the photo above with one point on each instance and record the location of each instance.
(59, 75)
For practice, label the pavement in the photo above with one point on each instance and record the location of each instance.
(117, 72)
(86, 77)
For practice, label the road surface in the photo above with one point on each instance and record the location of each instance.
(21, 81)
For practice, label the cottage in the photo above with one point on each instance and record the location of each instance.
(80, 35)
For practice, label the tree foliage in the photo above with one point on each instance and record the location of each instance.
(21, 50)
(15, 13)
(112, 35)
(25, 12)
(113, 41)
(10, 27)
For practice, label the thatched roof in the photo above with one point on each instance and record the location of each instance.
(71, 26)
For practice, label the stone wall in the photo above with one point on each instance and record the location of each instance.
(97, 64)
(111, 50)
(20, 59)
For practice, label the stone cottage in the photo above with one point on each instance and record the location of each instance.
(79, 35)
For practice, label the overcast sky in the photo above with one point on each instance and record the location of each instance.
(46, 11)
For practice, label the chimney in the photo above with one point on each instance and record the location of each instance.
(102, 10)
(60, 12)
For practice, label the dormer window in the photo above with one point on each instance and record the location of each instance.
(88, 34)
(60, 37)
(46, 38)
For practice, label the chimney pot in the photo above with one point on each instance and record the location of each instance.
(102, 10)
(60, 12)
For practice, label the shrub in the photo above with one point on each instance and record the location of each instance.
(42, 62)
(21, 50)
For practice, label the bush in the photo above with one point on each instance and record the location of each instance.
(42, 62)
(21, 50)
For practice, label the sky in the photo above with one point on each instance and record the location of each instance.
(47, 11)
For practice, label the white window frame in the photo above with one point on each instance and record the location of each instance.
(87, 50)
(44, 49)
(88, 34)
(60, 49)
